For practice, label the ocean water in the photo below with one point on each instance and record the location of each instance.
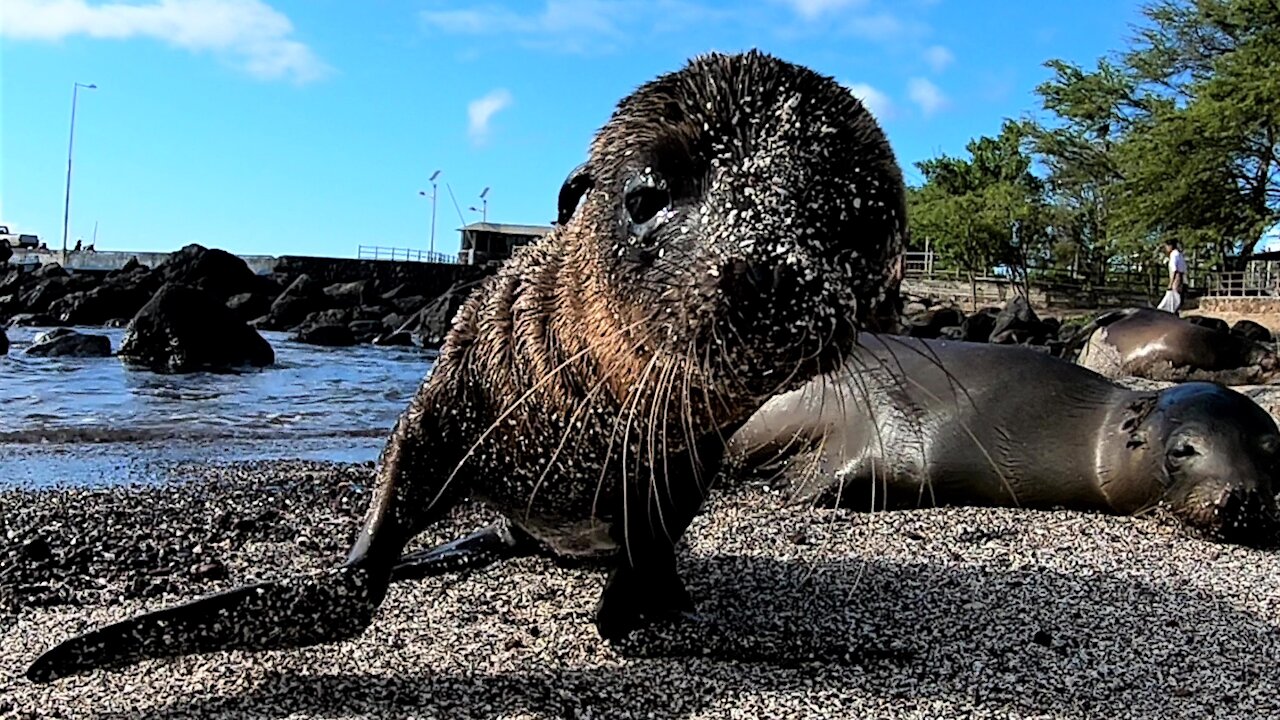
(93, 421)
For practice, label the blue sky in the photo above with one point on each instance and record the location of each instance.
(309, 126)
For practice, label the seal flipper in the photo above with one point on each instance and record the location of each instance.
(645, 586)
(484, 547)
(298, 611)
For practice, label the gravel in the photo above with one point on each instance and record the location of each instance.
(953, 613)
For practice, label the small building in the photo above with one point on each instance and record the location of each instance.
(486, 242)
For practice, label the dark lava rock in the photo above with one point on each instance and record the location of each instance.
(1251, 330)
(118, 296)
(49, 270)
(336, 316)
(1017, 323)
(978, 326)
(394, 339)
(250, 305)
(131, 266)
(409, 305)
(929, 324)
(434, 321)
(117, 322)
(1208, 322)
(39, 298)
(33, 320)
(326, 334)
(217, 272)
(365, 330)
(350, 294)
(952, 333)
(183, 329)
(4, 342)
(64, 342)
(301, 298)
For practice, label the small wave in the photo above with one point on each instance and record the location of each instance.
(87, 435)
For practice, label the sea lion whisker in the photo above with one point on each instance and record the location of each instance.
(633, 400)
(547, 378)
(887, 341)
(583, 405)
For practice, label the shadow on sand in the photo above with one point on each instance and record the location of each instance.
(889, 634)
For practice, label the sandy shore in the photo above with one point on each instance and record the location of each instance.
(929, 614)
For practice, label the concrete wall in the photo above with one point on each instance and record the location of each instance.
(426, 279)
(106, 260)
(998, 292)
(1241, 305)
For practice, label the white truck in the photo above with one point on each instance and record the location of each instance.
(16, 240)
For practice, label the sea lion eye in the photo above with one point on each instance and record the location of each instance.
(646, 196)
(1269, 444)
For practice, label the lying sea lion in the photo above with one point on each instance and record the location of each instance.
(735, 224)
(1153, 344)
(909, 423)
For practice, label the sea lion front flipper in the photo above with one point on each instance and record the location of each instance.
(645, 586)
(298, 611)
(329, 606)
(484, 547)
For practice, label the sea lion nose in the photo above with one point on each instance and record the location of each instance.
(749, 280)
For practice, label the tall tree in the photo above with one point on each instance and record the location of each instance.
(983, 211)
(1204, 163)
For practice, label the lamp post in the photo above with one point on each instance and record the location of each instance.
(66, 203)
(484, 205)
(423, 193)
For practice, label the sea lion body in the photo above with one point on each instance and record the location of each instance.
(911, 423)
(735, 224)
(1153, 344)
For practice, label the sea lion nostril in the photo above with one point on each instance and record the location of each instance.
(746, 280)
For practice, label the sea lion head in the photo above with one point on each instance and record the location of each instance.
(1221, 459)
(749, 212)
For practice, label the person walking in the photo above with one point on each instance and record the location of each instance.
(1172, 301)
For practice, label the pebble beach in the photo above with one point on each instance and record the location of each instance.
(945, 613)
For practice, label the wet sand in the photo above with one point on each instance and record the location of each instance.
(953, 613)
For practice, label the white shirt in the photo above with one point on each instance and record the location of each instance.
(1176, 263)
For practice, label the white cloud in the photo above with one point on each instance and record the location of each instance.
(250, 33)
(481, 110)
(926, 95)
(876, 101)
(565, 25)
(938, 57)
(813, 9)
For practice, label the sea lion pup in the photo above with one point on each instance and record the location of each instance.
(911, 423)
(1153, 344)
(738, 220)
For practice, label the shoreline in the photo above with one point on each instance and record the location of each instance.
(931, 613)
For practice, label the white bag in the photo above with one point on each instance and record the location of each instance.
(1171, 302)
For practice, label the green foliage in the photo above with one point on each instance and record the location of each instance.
(982, 211)
(1178, 136)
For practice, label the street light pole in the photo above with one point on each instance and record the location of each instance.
(66, 203)
(484, 206)
(432, 180)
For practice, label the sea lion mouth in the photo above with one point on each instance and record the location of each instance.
(1233, 515)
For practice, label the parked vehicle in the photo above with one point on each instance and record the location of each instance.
(16, 240)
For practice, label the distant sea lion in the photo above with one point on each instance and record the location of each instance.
(739, 220)
(910, 423)
(1153, 344)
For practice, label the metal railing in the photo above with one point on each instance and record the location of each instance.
(1243, 283)
(375, 252)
